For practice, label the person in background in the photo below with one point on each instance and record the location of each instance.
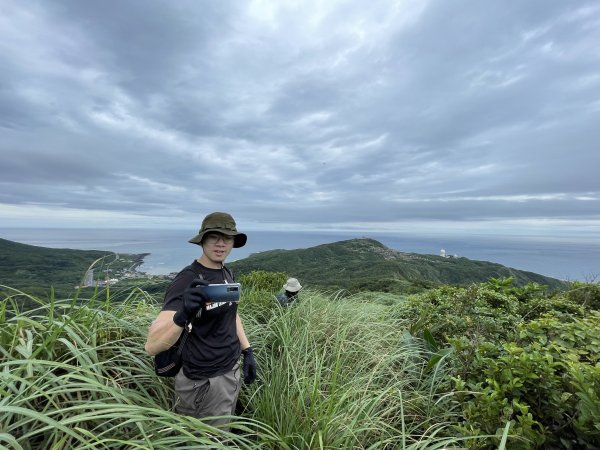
(290, 295)
(209, 381)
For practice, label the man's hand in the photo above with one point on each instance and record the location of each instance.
(193, 300)
(249, 364)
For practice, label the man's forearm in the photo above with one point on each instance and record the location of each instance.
(162, 334)
(244, 343)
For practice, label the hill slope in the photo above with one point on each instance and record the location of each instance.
(366, 264)
(35, 269)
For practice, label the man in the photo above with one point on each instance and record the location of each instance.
(208, 384)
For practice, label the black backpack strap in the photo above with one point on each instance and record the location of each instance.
(226, 272)
(184, 338)
(230, 273)
(196, 272)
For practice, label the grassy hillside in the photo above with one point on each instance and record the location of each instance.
(36, 269)
(368, 265)
(483, 367)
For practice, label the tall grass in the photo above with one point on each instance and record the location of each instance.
(76, 376)
(338, 373)
(332, 374)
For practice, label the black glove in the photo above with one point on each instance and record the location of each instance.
(249, 364)
(193, 300)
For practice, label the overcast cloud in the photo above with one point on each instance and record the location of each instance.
(387, 115)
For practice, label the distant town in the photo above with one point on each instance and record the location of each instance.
(106, 276)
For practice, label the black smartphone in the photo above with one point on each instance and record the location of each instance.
(229, 292)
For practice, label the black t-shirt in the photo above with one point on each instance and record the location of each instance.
(213, 347)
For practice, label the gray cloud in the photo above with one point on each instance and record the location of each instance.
(314, 115)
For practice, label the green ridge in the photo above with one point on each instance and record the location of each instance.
(34, 269)
(366, 264)
(354, 265)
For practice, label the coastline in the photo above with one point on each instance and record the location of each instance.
(163, 252)
(139, 261)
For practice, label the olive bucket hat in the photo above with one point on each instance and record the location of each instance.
(223, 223)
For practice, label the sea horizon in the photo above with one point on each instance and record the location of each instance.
(168, 250)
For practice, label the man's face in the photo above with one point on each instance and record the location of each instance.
(217, 246)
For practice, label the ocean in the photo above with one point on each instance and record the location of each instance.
(169, 250)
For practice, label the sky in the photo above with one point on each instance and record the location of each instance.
(406, 116)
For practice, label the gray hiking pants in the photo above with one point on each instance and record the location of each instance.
(215, 396)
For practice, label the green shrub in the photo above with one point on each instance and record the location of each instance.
(534, 300)
(546, 382)
(520, 355)
(585, 382)
(263, 281)
(558, 305)
(585, 294)
(258, 294)
(521, 293)
(485, 409)
(476, 312)
(575, 340)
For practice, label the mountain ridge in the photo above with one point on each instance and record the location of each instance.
(39, 268)
(360, 264)
(366, 264)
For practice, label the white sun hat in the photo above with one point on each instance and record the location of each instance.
(292, 285)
